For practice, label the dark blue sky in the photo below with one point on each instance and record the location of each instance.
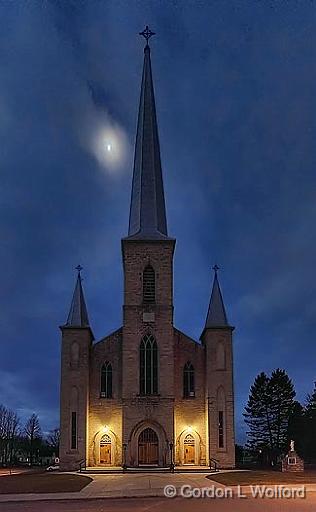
(235, 92)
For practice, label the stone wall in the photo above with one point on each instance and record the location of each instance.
(168, 413)
(105, 414)
(190, 414)
(220, 393)
(74, 394)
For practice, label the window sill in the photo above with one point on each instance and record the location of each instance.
(153, 395)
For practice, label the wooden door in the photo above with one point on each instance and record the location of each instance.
(189, 450)
(105, 454)
(148, 453)
(105, 450)
(189, 454)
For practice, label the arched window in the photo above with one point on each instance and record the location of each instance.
(148, 358)
(188, 380)
(149, 285)
(189, 439)
(106, 380)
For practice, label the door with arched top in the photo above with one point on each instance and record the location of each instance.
(148, 447)
(105, 450)
(189, 449)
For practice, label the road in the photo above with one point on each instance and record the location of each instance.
(168, 505)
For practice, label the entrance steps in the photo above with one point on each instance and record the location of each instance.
(193, 469)
(99, 470)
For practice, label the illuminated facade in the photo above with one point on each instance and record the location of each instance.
(147, 394)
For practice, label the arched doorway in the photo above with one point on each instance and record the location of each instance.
(148, 447)
(189, 449)
(105, 450)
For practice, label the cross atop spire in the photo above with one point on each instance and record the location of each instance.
(147, 218)
(78, 314)
(147, 34)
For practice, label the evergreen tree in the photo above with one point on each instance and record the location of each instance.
(282, 394)
(267, 413)
(296, 428)
(257, 414)
(310, 426)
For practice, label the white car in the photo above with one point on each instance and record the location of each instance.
(55, 467)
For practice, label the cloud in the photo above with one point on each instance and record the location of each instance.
(235, 108)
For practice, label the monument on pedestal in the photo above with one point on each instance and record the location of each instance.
(292, 462)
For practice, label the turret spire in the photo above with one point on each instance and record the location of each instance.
(216, 315)
(147, 211)
(78, 314)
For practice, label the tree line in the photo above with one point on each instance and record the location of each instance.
(24, 442)
(274, 418)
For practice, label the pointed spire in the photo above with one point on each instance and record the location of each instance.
(78, 315)
(147, 211)
(216, 315)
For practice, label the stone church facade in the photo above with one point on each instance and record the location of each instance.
(147, 394)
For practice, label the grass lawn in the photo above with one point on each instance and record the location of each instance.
(42, 483)
(264, 478)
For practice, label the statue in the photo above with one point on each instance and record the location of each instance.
(292, 446)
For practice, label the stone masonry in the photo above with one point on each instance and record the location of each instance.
(147, 394)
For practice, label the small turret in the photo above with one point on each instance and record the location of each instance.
(217, 340)
(77, 338)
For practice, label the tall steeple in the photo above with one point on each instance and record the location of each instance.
(216, 315)
(78, 314)
(147, 211)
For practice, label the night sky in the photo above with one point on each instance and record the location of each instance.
(236, 105)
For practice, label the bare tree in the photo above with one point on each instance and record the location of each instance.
(9, 431)
(53, 440)
(3, 413)
(33, 435)
(12, 434)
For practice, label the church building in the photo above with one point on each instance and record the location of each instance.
(147, 394)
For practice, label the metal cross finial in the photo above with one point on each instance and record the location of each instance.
(147, 34)
(216, 268)
(79, 268)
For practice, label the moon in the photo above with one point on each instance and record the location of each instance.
(110, 147)
(107, 142)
